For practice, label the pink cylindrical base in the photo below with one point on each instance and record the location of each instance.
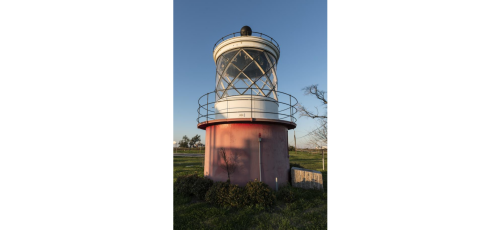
(241, 142)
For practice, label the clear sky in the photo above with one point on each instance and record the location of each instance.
(300, 28)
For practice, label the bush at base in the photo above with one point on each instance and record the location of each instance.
(193, 185)
(201, 187)
(254, 193)
(259, 193)
(225, 194)
(295, 165)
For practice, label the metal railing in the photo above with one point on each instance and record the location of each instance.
(232, 35)
(286, 107)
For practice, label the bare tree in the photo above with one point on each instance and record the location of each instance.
(313, 144)
(320, 94)
(322, 133)
(318, 136)
(229, 163)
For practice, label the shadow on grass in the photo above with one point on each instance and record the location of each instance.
(325, 181)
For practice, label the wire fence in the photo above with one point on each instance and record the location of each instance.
(313, 151)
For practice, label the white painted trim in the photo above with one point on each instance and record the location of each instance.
(241, 106)
(246, 42)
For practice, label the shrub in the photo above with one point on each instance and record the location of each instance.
(286, 194)
(259, 193)
(291, 148)
(193, 185)
(200, 187)
(236, 196)
(184, 183)
(212, 195)
(295, 165)
(226, 194)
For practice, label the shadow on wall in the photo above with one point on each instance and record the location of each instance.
(228, 161)
(238, 159)
(233, 164)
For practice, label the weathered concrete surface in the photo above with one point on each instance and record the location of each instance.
(306, 178)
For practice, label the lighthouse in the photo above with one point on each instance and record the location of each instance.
(246, 118)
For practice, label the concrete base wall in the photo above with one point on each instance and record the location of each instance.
(306, 178)
(241, 142)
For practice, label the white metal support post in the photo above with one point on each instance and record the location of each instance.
(260, 162)
(322, 151)
(295, 140)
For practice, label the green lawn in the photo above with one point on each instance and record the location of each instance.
(197, 150)
(308, 212)
(194, 150)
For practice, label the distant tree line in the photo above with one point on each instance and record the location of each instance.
(189, 143)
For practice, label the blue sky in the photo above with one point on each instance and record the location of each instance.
(300, 28)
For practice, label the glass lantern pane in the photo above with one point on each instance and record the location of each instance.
(232, 72)
(253, 71)
(266, 83)
(224, 84)
(240, 85)
(221, 67)
(223, 60)
(260, 57)
(272, 62)
(241, 60)
(232, 92)
(271, 59)
(260, 84)
(264, 63)
(271, 77)
(255, 54)
(246, 81)
(229, 55)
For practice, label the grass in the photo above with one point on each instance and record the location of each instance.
(307, 212)
(197, 150)
(194, 150)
